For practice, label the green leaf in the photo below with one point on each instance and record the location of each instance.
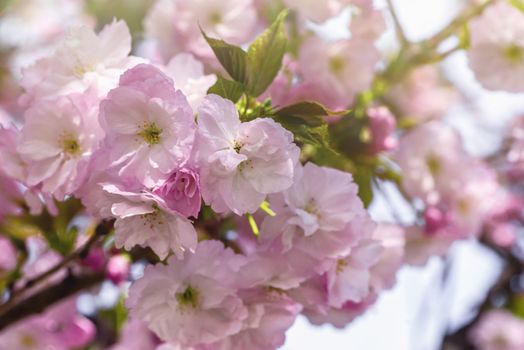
(308, 112)
(518, 4)
(363, 177)
(233, 58)
(232, 90)
(265, 56)
(315, 136)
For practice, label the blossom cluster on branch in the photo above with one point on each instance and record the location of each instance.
(215, 163)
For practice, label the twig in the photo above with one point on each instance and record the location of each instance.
(102, 229)
(47, 297)
(398, 27)
(456, 24)
(459, 338)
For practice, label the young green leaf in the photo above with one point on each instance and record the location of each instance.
(307, 112)
(518, 4)
(233, 58)
(265, 56)
(230, 89)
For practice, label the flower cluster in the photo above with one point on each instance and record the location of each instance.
(199, 174)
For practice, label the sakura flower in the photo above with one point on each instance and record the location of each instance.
(149, 125)
(72, 329)
(340, 317)
(270, 314)
(344, 67)
(317, 11)
(320, 214)
(84, 60)
(12, 163)
(313, 295)
(349, 280)
(420, 246)
(498, 330)
(240, 163)
(135, 336)
(496, 55)
(118, 268)
(8, 257)
(57, 140)
(191, 301)
(429, 170)
(174, 24)
(181, 192)
(59, 328)
(188, 75)
(144, 219)
(392, 240)
(423, 95)
(382, 125)
(9, 195)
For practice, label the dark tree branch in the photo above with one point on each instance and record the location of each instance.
(459, 338)
(43, 299)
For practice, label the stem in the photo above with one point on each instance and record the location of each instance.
(398, 27)
(456, 24)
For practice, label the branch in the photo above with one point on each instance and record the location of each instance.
(459, 338)
(47, 297)
(398, 27)
(456, 24)
(103, 228)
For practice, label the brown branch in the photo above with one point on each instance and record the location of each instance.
(103, 228)
(459, 338)
(47, 297)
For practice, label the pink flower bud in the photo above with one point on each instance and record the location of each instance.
(118, 268)
(181, 192)
(382, 126)
(95, 259)
(435, 219)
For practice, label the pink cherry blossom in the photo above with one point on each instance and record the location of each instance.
(59, 328)
(194, 300)
(382, 125)
(392, 240)
(420, 246)
(57, 140)
(174, 24)
(497, 48)
(423, 95)
(349, 279)
(320, 214)
(135, 336)
(8, 256)
(149, 125)
(118, 268)
(344, 67)
(144, 219)
(9, 194)
(84, 60)
(240, 163)
(427, 171)
(313, 295)
(270, 314)
(181, 192)
(188, 75)
(498, 330)
(317, 11)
